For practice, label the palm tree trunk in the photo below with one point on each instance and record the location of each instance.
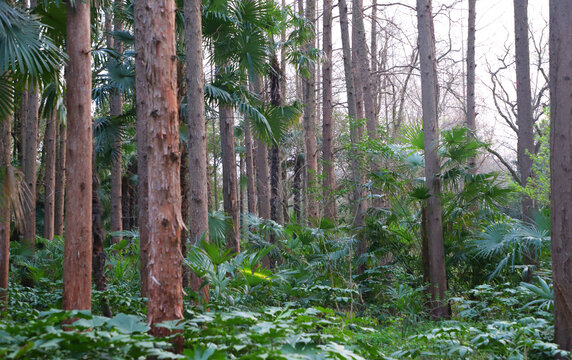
(251, 187)
(78, 244)
(434, 224)
(156, 88)
(471, 111)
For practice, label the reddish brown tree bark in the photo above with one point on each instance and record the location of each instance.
(157, 111)
(78, 232)
(5, 149)
(60, 188)
(29, 159)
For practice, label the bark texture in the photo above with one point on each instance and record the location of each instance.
(561, 167)
(198, 202)
(156, 86)
(78, 244)
(525, 122)
(275, 155)
(50, 177)
(434, 224)
(329, 182)
(311, 152)
(229, 177)
(471, 110)
(29, 159)
(60, 180)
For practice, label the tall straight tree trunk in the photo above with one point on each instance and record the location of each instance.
(199, 211)
(561, 167)
(116, 109)
(78, 235)
(471, 65)
(5, 149)
(156, 87)
(434, 224)
(362, 71)
(261, 166)
(29, 159)
(229, 178)
(50, 177)
(251, 178)
(297, 186)
(215, 168)
(309, 91)
(275, 156)
(525, 145)
(329, 182)
(358, 196)
(374, 77)
(60, 189)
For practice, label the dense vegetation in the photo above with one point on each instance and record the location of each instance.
(229, 234)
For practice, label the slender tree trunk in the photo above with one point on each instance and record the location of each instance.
(309, 90)
(374, 77)
(60, 189)
(261, 166)
(116, 109)
(5, 150)
(98, 256)
(251, 178)
(297, 186)
(358, 196)
(362, 73)
(329, 182)
(229, 178)
(156, 87)
(434, 225)
(50, 177)
(29, 158)
(78, 243)
(561, 167)
(525, 145)
(275, 156)
(198, 166)
(215, 167)
(471, 110)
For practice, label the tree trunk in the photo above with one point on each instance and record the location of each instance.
(251, 178)
(50, 177)
(215, 168)
(471, 111)
(199, 211)
(261, 166)
(297, 186)
(98, 256)
(78, 243)
(156, 88)
(29, 159)
(60, 180)
(229, 179)
(311, 153)
(275, 156)
(362, 71)
(434, 226)
(5, 149)
(358, 196)
(329, 182)
(561, 167)
(116, 109)
(525, 145)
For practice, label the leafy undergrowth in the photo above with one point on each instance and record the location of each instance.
(496, 323)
